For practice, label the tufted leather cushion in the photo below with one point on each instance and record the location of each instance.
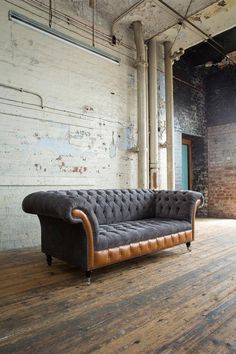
(121, 253)
(176, 204)
(124, 233)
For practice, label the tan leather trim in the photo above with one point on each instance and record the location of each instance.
(102, 258)
(118, 254)
(76, 213)
(197, 204)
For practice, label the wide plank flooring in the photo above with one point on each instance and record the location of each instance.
(173, 301)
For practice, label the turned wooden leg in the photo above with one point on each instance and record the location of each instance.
(88, 276)
(49, 259)
(188, 245)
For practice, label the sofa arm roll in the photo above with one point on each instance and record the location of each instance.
(59, 204)
(177, 204)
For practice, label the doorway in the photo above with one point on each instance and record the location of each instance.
(186, 164)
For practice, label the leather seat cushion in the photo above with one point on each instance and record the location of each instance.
(124, 233)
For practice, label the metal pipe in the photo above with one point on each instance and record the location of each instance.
(169, 116)
(153, 118)
(50, 13)
(92, 4)
(209, 38)
(23, 90)
(142, 105)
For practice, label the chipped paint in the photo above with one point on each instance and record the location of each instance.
(221, 3)
(112, 147)
(69, 143)
(196, 18)
(156, 18)
(212, 19)
(79, 169)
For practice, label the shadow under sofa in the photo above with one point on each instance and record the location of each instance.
(94, 228)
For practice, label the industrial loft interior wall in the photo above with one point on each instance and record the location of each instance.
(191, 122)
(69, 118)
(81, 137)
(221, 116)
(205, 106)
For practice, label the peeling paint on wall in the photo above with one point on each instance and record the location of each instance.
(73, 141)
(112, 147)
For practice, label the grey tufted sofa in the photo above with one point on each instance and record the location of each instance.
(94, 228)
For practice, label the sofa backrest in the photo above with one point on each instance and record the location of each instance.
(176, 204)
(115, 205)
(110, 206)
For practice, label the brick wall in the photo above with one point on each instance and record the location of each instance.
(189, 100)
(200, 170)
(222, 170)
(221, 113)
(207, 115)
(190, 121)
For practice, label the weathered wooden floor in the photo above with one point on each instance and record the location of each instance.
(170, 302)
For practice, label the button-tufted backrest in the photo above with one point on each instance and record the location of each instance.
(176, 204)
(109, 206)
(116, 205)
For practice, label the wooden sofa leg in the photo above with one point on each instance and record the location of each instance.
(188, 245)
(49, 259)
(88, 276)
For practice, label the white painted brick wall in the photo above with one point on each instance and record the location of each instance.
(80, 139)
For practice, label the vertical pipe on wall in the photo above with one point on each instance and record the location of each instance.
(153, 118)
(169, 116)
(142, 105)
(147, 115)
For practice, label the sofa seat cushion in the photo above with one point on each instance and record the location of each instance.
(124, 233)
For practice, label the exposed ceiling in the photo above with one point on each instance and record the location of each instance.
(183, 22)
(156, 17)
(212, 20)
(204, 53)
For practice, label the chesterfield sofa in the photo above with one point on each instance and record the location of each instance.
(95, 228)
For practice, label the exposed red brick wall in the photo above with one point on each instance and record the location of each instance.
(222, 170)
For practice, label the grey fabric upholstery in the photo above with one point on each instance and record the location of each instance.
(59, 204)
(101, 206)
(176, 204)
(124, 233)
(64, 241)
(118, 217)
(112, 205)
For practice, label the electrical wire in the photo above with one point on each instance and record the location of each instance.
(211, 41)
(107, 38)
(180, 27)
(73, 21)
(93, 25)
(59, 112)
(67, 18)
(75, 32)
(50, 13)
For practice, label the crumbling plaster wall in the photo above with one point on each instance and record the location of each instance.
(82, 135)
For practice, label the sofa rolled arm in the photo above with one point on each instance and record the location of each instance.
(177, 204)
(60, 204)
(198, 203)
(79, 214)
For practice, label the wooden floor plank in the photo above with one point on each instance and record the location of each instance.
(170, 302)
